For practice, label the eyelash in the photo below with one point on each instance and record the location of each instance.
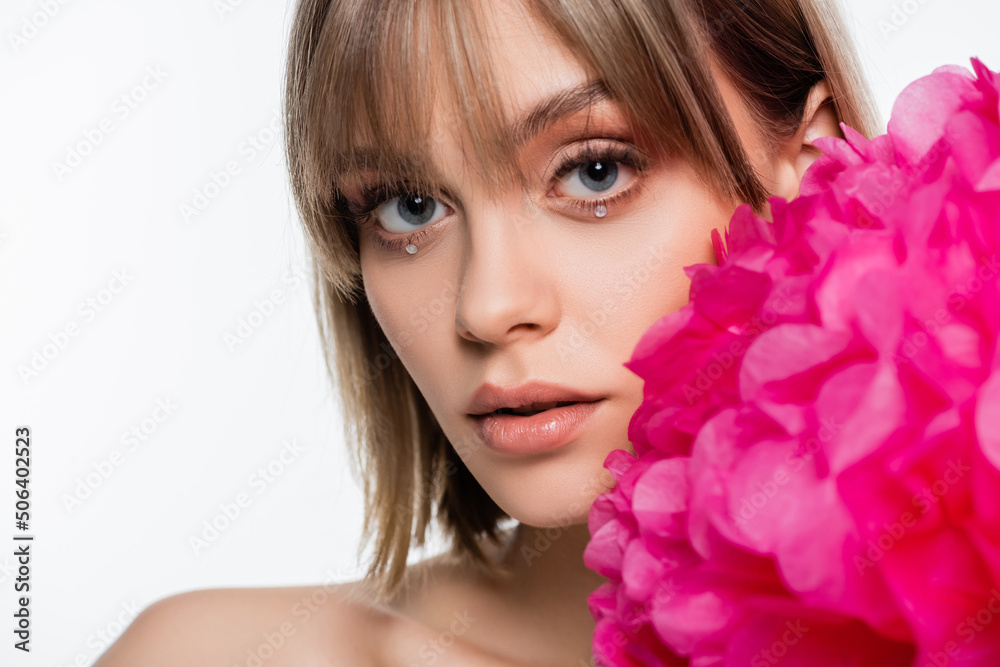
(374, 196)
(615, 153)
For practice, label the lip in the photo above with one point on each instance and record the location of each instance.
(489, 397)
(543, 431)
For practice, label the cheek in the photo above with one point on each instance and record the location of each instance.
(388, 305)
(638, 276)
(411, 313)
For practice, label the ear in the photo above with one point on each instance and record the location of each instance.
(798, 152)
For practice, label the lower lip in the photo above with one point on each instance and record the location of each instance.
(541, 432)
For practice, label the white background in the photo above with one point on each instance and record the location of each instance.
(161, 331)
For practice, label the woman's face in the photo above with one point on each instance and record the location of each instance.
(522, 287)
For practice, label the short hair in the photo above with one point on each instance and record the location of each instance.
(349, 105)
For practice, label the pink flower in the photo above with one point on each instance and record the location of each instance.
(817, 479)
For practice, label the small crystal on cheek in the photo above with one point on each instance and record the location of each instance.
(601, 210)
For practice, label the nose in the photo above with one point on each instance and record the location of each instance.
(509, 287)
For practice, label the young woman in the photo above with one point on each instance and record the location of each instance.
(501, 197)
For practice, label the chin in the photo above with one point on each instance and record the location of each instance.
(551, 491)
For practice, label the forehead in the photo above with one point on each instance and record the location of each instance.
(479, 78)
(528, 59)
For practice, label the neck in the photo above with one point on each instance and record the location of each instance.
(551, 556)
(548, 577)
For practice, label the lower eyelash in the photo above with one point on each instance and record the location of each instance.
(373, 196)
(619, 153)
(395, 245)
(617, 199)
(586, 206)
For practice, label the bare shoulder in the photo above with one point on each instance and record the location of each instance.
(438, 616)
(447, 614)
(305, 626)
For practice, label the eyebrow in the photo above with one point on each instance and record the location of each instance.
(546, 112)
(555, 107)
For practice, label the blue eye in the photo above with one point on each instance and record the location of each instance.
(592, 174)
(598, 176)
(405, 213)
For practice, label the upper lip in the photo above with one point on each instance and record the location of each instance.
(490, 397)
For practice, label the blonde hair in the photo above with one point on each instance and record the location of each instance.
(350, 105)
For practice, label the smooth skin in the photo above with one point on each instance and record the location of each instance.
(532, 288)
